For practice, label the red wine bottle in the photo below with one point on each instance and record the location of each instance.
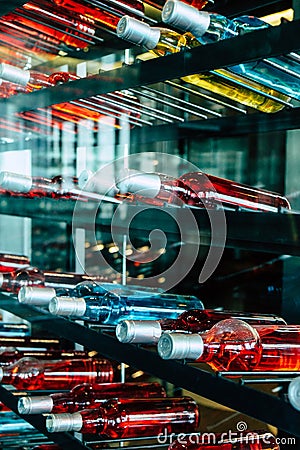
(234, 345)
(129, 418)
(250, 440)
(200, 190)
(86, 396)
(193, 321)
(33, 374)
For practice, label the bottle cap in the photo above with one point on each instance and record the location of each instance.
(67, 306)
(40, 296)
(137, 32)
(14, 74)
(35, 405)
(185, 17)
(135, 182)
(15, 182)
(294, 393)
(56, 423)
(180, 346)
(138, 331)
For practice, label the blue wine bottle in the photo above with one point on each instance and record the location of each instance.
(124, 302)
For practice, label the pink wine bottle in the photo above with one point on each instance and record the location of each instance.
(248, 440)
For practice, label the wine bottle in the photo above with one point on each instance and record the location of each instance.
(32, 276)
(56, 187)
(161, 42)
(131, 418)
(234, 345)
(10, 355)
(201, 190)
(32, 374)
(192, 321)
(294, 393)
(210, 27)
(9, 262)
(250, 440)
(14, 329)
(41, 296)
(86, 396)
(130, 302)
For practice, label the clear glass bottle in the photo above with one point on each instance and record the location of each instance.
(192, 321)
(32, 276)
(209, 27)
(32, 374)
(129, 418)
(124, 302)
(248, 440)
(86, 396)
(162, 41)
(201, 190)
(234, 345)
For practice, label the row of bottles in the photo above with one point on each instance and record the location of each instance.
(194, 189)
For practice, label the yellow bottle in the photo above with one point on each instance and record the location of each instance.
(161, 42)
